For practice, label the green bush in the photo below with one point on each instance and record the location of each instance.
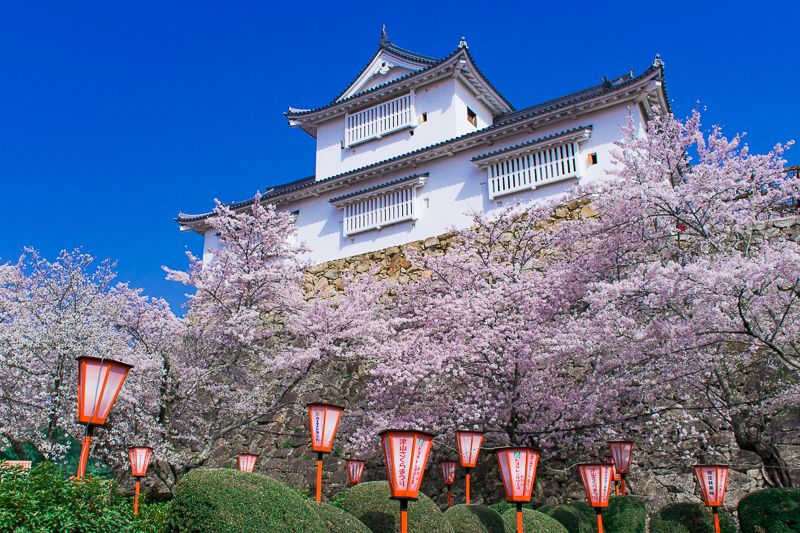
(152, 517)
(532, 521)
(339, 521)
(572, 517)
(689, 518)
(625, 514)
(226, 500)
(370, 503)
(44, 499)
(770, 511)
(475, 519)
(502, 507)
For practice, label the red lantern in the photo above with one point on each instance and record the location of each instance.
(596, 479)
(449, 477)
(621, 453)
(712, 480)
(99, 383)
(247, 462)
(469, 446)
(140, 459)
(518, 470)
(406, 455)
(355, 469)
(24, 465)
(323, 420)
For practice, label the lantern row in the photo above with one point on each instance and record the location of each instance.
(405, 453)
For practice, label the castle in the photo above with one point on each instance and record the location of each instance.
(416, 145)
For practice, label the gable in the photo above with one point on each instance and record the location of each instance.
(384, 67)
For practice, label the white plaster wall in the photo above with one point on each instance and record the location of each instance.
(455, 190)
(443, 101)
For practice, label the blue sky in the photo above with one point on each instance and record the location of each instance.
(114, 116)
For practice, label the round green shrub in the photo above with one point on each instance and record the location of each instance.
(339, 521)
(370, 503)
(45, 499)
(532, 521)
(625, 514)
(502, 507)
(475, 519)
(689, 517)
(226, 500)
(573, 519)
(770, 511)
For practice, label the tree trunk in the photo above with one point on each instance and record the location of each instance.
(752, 438)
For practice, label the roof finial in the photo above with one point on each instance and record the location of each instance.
(658, 62)
(463, 42)
(384, 35)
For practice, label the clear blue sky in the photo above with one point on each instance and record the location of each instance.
(114, 116)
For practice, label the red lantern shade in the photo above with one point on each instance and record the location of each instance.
(469, 445)
(25, 465)
(518, 470)
(712, 480)
(448, 472)
(596, 479)
(323, 420)
(355, 469)
(621, 453)
(246, 462)
(406, 455)
(99, 382)
(140, 459)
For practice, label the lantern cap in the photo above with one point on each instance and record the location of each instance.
(385, 431)
(716, 465)
(324, 404)
(103, 359)
(620, 442)
(526, 448)
(248, 453)
(140, 447)
(355, 459)
(478, 431)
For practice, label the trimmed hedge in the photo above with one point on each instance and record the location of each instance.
(689, 518)
(227, 500)
(370, 503)
(339, 521)
(625, 514)
(532, 521)
(571, 517)
(502, 507)
(770, 511)
(475, 519)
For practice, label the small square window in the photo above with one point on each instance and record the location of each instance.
(423, 117)
(472, 117)
(593, 158)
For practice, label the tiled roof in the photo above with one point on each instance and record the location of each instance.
(299, 113)
(270, 193)
(501, 122)
(378, 187)
(532, 142)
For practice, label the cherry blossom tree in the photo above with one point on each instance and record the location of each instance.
(671, 314)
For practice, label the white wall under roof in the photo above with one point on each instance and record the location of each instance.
(444, 101)
(455, 188)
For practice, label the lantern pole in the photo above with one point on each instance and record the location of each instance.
(319, 476)
(403, 516)
(136, 496)
(449, 497)
(520, 528)
(715, 512)
(467, 485)
(85, 446)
